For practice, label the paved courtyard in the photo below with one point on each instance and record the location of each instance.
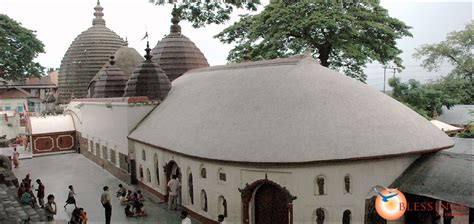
(59, 171)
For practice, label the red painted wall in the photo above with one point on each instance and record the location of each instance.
(53, 142)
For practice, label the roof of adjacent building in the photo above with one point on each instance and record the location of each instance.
(176, 53)
(283, 111)
(15, 93)
(49, 81)
(85, 57)
(50, 124)
(457, 115)
(444, 176)
(445, 127)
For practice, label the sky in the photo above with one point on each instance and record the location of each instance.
(58, 22)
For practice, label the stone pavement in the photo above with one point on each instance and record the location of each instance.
(24, 153)
(57, 172)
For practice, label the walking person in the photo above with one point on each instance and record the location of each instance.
(50, 209)
(105, 200)
(173, 186)
(40, 193)
(70, 197)
(16, 158)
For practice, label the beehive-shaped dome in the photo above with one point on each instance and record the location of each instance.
(111, 81)
(126, 58)
(148, 79)
(85, 56)
(176, 54)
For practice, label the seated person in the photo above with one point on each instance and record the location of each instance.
(140, 196)
(123, 199)
(128, 212)
(140, 210)
(121, 190)
(21, 190)
(83, 216)
(26, 198)
(133, 199)
(129, 195)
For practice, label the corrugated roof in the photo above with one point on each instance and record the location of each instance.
(444, 176)
(284, 111)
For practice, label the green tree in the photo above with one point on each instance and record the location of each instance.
(209, 12)
(343, 35)
(457, 50)
(430, 97)
(18, 48)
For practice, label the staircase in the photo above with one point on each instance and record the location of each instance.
(13, 211)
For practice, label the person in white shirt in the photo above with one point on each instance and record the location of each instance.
(184, 218)
(220, 219)
(173, 186)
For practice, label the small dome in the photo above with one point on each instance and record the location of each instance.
(126, 58)
(148, 79)
(86, 55)
(111, 82)
(176, 54)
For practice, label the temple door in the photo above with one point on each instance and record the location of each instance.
(271, 205)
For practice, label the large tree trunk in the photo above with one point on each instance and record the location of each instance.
(324, 51)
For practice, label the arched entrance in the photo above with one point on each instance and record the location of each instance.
(171, 168)
(266, 202)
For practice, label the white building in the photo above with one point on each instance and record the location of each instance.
(283, 139)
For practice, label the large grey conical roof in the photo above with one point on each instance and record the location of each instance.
(176, 54)
(85, 56)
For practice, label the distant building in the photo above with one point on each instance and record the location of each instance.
(458, 115)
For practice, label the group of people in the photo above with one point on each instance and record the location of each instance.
(134, 206)
(26, 195)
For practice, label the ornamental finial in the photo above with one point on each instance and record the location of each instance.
(98, 20)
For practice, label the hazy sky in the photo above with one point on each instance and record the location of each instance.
(58, 22)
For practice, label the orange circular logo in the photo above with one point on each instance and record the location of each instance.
(390, 204)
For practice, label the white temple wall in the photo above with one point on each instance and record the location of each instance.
(300, 180)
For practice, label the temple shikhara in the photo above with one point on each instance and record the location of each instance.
(273, 141)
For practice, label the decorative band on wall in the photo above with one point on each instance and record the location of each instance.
(39, 141)
(64, 144)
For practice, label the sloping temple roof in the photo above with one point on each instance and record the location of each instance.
(283, 111)
(445, 127)
(51, 124)
(443, 176)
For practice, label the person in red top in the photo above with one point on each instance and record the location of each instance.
(40, 193)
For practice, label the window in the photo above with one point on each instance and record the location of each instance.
(347, 184)
(320, 215)
(222, 176)
(140, 172)
(91, 146)
(97, 149)
(157, 170)
(105, 155)
(143, 155)
(19, 107)
(203, 172)
(8, 107)
(320, 188)
(222, 206)
(123, 161)
(191, 188)
(148, 175)
(346, 217)
(203, 200)
(113, 157)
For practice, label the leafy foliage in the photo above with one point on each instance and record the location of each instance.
(428, 98)
(457, 49)
(18, 48)
(209, 12)
(343, 35)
